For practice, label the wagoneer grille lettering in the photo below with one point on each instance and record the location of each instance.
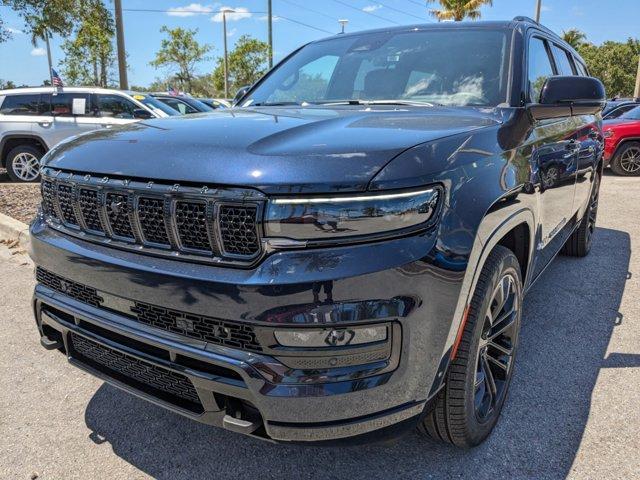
(219, 225)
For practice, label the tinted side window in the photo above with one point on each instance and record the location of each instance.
(539, 68)
(21, 104)
(179, 106)
(616, 112)
(115, 106)
(62, 103)
(581, 70)
(562, 61)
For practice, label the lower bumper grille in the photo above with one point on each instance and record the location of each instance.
(164, 384)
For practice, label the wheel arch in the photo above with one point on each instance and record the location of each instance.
(9, 142)
(516, 227)
(621, 144)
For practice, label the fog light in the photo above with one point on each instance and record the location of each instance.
(331, 337)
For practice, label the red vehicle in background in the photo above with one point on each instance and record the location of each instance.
(622, 142)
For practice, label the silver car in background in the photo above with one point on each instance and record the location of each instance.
(32, 120)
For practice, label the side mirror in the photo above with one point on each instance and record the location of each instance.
(242, 91)
(566, 96)
(142, 114)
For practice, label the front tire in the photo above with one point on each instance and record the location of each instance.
(23, 163)
(626, 161)
(468, 406)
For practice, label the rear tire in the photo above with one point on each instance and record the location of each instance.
(626, 161)
(579, 243)
(468, 406)
(23, 163)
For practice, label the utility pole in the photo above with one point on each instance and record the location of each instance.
(538, 10)
(226, 57)
(122, 57)
(270, 29)
(46, 39)
(343, 23)
(636, 91)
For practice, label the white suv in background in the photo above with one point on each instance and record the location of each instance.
(32, 120)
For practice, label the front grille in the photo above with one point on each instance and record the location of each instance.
(48, 198)
(214, 330)
(219, 332)
(191, 223)
(163, 383)
(66, 201)
(118, 213)
(73, 289)
(89, 206)
(217, 225)
(238, 230)
(152, 223)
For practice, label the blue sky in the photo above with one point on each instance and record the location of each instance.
(22, 63)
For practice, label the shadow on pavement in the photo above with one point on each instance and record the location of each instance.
(568, 320)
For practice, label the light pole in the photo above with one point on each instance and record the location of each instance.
(270, 30)
(226, 59)
(538, 9)
(343, 23)
(636, 91)
(46, 39)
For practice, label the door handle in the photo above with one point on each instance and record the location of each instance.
(106, 125)
(44, 124)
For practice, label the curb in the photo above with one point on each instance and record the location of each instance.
(12, 229)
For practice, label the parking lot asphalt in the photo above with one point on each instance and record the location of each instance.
(573, 409)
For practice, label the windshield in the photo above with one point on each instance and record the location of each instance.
(155, 104)
(438, 66)
(633, 114)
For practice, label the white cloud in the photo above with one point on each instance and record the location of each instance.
(274, 18)
(15, 31)
(189, 10)
(238, 13)
(232, 32)
(371, 8)
(38, 52)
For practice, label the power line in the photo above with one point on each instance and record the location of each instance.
(305, 24)
(415, 2)
(318, 12)
(400, 11)
(362, 11)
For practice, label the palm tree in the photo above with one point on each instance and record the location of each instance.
(458, 10)
(574, 37)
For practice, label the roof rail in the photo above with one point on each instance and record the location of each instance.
(523, 18)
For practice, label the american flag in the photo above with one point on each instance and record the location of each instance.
(173, 91)
(55, 79)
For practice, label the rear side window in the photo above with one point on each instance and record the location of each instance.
(116, 106)
(539, 67)
(582, 71)
(62, 103)
(563, 61)
(21, 104)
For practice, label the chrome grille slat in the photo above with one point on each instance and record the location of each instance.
(220, 226)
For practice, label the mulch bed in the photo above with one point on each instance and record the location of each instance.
(20, 201)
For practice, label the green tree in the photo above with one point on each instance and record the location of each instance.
(182, 52)
(615, 63)
(458, 10)
(248, 61)
(90, 56)
(42, 17)
(4, 33)
(574, 37)
(6, 85)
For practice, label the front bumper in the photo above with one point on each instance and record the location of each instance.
(247, 391)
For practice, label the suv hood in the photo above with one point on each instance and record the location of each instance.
(276, 150)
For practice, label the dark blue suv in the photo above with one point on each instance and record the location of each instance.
(343, 255)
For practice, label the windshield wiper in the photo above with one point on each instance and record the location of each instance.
(412, 103)
(273, 104)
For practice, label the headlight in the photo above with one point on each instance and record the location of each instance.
(318, 218)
